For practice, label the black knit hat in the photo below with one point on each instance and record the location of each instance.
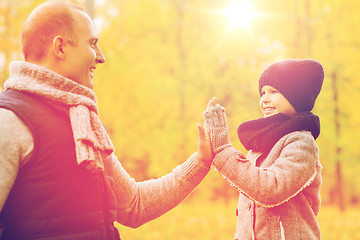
(299, 81)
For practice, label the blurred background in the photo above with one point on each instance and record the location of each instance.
(167, 58)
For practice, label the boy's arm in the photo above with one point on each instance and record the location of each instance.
(294, 169)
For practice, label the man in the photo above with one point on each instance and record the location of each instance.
(59, 177)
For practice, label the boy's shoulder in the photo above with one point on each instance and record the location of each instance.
(298, 145)
(303, 134)
(299, 134)
(297, 139)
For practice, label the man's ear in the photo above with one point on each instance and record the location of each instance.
(58, 46)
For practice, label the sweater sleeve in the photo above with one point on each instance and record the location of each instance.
(16, 144)
(140, 202)
(294, 168)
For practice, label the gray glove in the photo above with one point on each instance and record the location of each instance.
(215, 124)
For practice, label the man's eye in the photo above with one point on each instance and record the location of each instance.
(93, 44)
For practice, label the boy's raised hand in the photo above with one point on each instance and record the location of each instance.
(216, 126)
(204, 148)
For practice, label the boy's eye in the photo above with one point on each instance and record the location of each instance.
(273, 91)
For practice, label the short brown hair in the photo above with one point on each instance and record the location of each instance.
(46, 22)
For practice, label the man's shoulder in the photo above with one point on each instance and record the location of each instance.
(15, 135)
(8, 117)
(12, 126)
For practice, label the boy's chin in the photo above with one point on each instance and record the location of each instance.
(270, 114)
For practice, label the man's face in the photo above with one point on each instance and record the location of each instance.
(83, 53)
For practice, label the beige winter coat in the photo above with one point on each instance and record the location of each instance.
(279, 192)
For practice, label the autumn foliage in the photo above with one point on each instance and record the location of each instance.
(165, 59)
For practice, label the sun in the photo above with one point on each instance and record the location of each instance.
(239, 14)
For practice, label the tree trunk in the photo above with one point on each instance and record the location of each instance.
(180, 8)
(339, 178)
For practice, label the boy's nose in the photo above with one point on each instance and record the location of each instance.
(265, 98)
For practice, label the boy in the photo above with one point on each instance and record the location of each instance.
(279, 180)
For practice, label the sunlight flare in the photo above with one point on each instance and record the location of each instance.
(239, 14)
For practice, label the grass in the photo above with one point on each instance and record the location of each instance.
(190, 220)
(206, 220)
(336, 225)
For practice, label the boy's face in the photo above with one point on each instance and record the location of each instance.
(273, 102)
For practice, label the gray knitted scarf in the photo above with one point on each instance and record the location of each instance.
(92, 143)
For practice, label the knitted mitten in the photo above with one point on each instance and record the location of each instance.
(215, 122)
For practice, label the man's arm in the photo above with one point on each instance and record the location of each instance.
(141, 202)
(16, 143)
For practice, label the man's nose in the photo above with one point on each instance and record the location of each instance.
(100, 58)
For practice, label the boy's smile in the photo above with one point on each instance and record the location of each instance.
(268, 110)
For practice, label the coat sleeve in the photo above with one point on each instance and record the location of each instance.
(294, 168)
(140, 202)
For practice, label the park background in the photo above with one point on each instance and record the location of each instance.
(167, 58)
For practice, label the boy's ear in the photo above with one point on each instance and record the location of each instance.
(58, 46)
